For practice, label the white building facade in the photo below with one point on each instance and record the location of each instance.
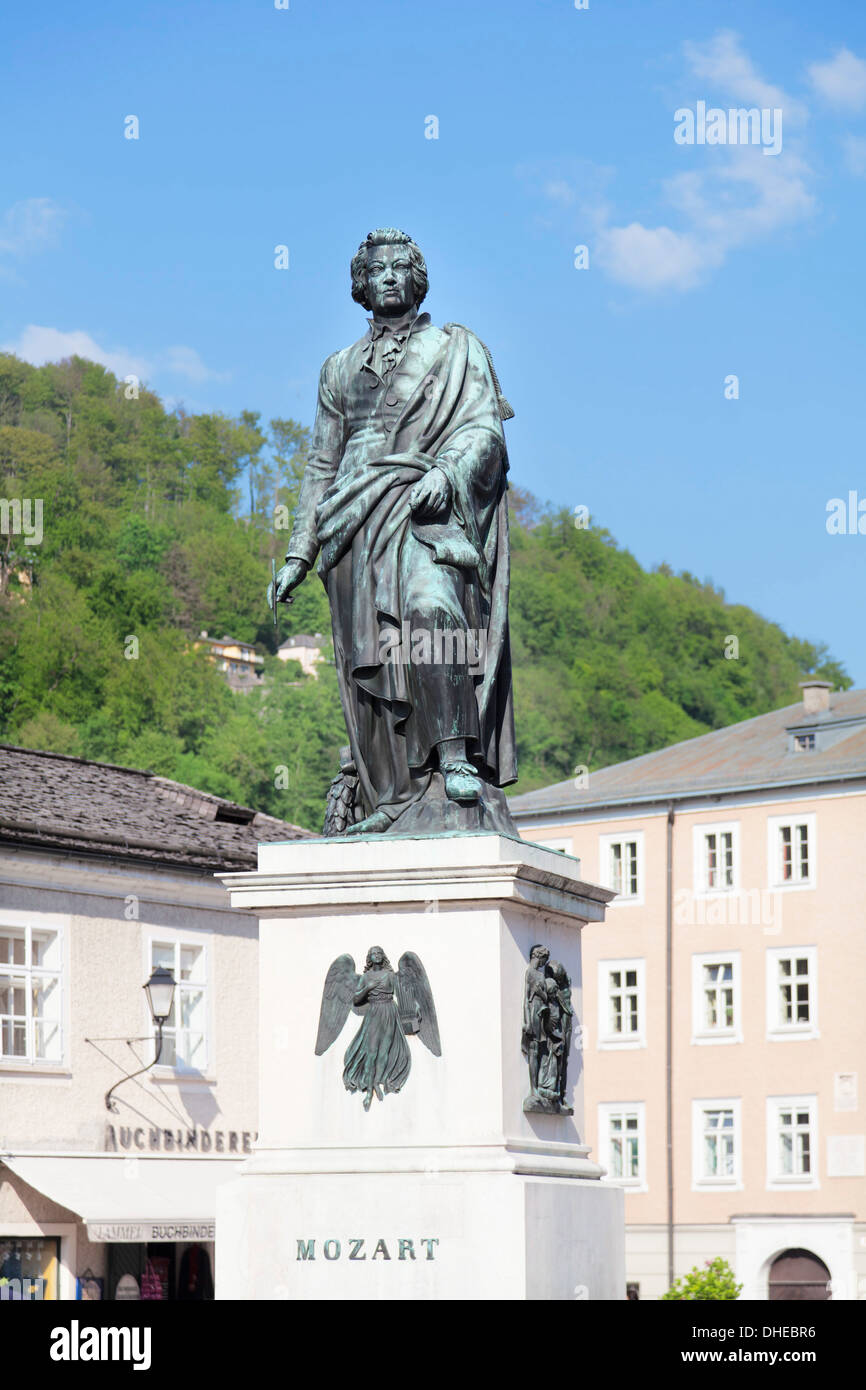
(106, 874)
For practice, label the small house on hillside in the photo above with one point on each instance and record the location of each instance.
(240, 661)
(306, 649)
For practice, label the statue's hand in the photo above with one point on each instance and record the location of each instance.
(288, 578)
(432, 494)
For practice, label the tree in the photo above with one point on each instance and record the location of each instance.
(215, 447)
(290, 444)
(13, 376)
(716, 1281)
(147, 535)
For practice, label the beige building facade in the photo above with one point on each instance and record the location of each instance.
(239, 661)
(724, 1028)
(305, 648)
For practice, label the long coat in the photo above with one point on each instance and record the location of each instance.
(384, 569)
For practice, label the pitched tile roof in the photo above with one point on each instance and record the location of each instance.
(303, 639)
(755, 753)
(53, 801)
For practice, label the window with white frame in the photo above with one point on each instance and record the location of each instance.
(31, 1001)
(792, 992)
(621, 865)
(792, 1141)
(621, 1142)
(184, 1036)
(621, 1003)
(717, 1141)
(791, 851)
(716, 854)
(716, 997)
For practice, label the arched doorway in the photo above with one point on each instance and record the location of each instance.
(798, 1276)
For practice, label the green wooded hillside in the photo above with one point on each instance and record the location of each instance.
(158, 524)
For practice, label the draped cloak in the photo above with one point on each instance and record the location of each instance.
(379, 1054)
(386, 570)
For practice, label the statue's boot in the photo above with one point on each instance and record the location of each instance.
(462, 783)
(376, 824)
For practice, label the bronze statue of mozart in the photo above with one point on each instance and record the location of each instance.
(403, 501)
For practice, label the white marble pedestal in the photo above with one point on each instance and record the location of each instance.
(447, 1189)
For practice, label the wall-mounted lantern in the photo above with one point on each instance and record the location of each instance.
(160, 995)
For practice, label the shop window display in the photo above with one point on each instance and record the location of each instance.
(28, 1267)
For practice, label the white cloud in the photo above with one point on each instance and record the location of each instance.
(40, 344)
(566, 183)
(185, 361)
(855, 154)
(652, 258)
(723, 64)
(841, 81)
(743, 200)
(560, 191)
(737, 196)
(30, 225)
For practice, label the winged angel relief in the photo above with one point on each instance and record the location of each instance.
(378, 1059)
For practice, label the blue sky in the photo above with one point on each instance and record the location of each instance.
(306, 127)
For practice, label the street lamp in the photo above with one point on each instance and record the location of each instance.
(160, 995)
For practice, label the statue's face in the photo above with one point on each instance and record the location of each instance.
(389, 281)
(377, 955)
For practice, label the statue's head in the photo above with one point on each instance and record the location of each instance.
(559, 973)
(539, 956)
(376, 959)
(389, 274)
